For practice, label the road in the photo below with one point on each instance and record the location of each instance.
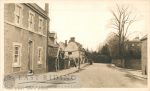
(98, 75)
(101, 75)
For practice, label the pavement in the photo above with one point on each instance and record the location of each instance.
(136, 73)
(50, 77)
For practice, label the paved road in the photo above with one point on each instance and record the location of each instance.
(97, 75)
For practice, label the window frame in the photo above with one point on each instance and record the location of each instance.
(33, 22)
(18, 63)
(41, 24)
(20, 13)
(41, 56)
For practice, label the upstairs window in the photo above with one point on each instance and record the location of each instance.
(40, 25)
(18, 14)
(31, 20)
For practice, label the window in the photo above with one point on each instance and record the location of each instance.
(132, 44)
(40, 51)
(40, 25)
(69, 53)
(31, 20)
(16, 54)
(18, 14)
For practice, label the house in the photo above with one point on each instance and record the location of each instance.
(144, 55)
(25, 38)
(53, 52)
(75, 51)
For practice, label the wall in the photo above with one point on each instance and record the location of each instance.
(118, 62)
(133, 64)
(130, 63)
(144, 57)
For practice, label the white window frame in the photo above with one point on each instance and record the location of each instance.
(18, 63)
(21, 14)
(31, 28)
(39, 60)
(41, 24)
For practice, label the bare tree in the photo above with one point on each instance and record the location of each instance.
(122, 20)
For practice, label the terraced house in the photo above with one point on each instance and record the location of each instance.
(25, 38)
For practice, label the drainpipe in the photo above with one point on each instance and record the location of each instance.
(48, 21)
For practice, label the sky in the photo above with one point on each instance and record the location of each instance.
(88, 20)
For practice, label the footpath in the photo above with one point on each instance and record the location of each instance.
(135, 73)
(36, 79)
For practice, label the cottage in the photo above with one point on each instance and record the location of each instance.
(144, 55)
(75, 52)
(25, 38)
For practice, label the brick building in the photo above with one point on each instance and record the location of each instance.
(25, 38)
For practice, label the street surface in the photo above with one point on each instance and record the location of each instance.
(98, 75)
(101, 75)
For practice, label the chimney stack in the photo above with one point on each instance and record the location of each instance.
(47, 8)
(72, 39)
(65, 43)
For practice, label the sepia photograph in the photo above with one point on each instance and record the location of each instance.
(75, 44)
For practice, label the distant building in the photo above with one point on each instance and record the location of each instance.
(133, 47)
(53, 52)
(75, 51)
(144, 55)
(25, 38)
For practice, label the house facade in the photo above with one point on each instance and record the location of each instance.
(25, 38)
(144, 55)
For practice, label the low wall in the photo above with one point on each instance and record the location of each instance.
(133, 64)
(118, 62)
(130, 63)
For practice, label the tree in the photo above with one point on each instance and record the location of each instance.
(105, 50)
(112, 42)
(122, 20)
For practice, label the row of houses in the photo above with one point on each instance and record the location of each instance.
(29, 47)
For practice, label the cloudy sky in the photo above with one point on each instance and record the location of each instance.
(88, 20)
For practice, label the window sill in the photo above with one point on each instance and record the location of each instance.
(16, 66)
(39, 63)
